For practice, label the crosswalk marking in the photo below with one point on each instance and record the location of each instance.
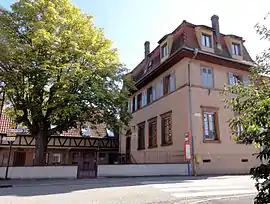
(212, 193)
(206, 187)
(209, 188)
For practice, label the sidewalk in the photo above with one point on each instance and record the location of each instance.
(101, 180)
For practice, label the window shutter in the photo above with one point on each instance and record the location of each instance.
(144, 94)
(230, 78)
(172, 81)
(246, 81)
(210, 78)
(129, 103)
(161, 88)
(204, 76)
(154, 92)
(136, 103)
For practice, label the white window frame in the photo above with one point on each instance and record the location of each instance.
(209, 77)
(58, 156)
(233, 78)
(206, 40)
(206, 126)
(164, 50)
(236, 49)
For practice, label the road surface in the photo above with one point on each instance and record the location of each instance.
(161, 190)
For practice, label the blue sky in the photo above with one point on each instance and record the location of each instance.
(130, 23)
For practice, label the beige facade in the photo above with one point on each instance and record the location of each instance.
(212, 157)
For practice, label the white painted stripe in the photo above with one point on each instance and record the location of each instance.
(187, 185)
(212, 193)
(221, 198)
(208, 188)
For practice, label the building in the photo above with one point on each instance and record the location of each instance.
(95, 146)
(178, 91)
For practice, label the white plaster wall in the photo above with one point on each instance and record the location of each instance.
(40, 172)
(142, 170)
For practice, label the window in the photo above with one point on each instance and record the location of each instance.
(56, 158)
(234, 79)
(164, 50)
(141, 136)
(134, 104)
(152, 132)
(169, 83)
(206, 40)
(166, 129)
(236, 49)
(139, 101)
(207, 77)
(210, 132)
(150, 95)
(239, 130)
(166, 85)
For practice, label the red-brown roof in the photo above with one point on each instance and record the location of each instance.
(94, 130)
(184, 36)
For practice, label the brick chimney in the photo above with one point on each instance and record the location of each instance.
(146, 48)
(215, 26)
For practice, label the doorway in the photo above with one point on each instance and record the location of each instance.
(19, 158)
(128, 149)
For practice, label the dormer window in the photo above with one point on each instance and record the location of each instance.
(206, 40)
(236, 49)
(164, 50)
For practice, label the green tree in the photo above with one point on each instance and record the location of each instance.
(58, 69)
(252, 124)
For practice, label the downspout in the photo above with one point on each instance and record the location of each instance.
(190, 114)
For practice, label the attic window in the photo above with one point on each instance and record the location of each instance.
(164, 50)
(236, 49)
(206, 40)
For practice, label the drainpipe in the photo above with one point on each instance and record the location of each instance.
(190, 112)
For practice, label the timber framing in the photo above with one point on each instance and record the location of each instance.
(65, 142)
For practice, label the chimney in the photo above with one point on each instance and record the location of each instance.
(146, 48)
(215, 26)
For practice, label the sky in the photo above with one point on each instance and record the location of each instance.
(129, 23)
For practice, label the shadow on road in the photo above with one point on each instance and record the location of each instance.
(39, 188)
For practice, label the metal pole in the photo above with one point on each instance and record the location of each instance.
(189, 173)
(9, 153)
(190, 115)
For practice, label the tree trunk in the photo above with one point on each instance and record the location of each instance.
(41, 147)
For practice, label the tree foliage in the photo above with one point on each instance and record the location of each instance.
(58, 69)
(253, 105)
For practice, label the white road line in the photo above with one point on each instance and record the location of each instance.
(208, 188)
(212, 193)
(220, 198)
(187, 185)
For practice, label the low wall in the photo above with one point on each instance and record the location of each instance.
(142, 170)
(39, 172)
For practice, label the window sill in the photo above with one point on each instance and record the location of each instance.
(166, 144)
(152, 147)
(211, 141)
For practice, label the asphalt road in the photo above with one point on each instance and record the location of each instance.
(161, 190)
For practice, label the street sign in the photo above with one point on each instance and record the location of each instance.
(9, 139)
(187, 147)
(15, 130)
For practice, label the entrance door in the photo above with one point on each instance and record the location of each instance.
(19, 158)
(128, 147)
(86, 164)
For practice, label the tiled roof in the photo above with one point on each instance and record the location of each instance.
(94, 130)
(183, 36)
